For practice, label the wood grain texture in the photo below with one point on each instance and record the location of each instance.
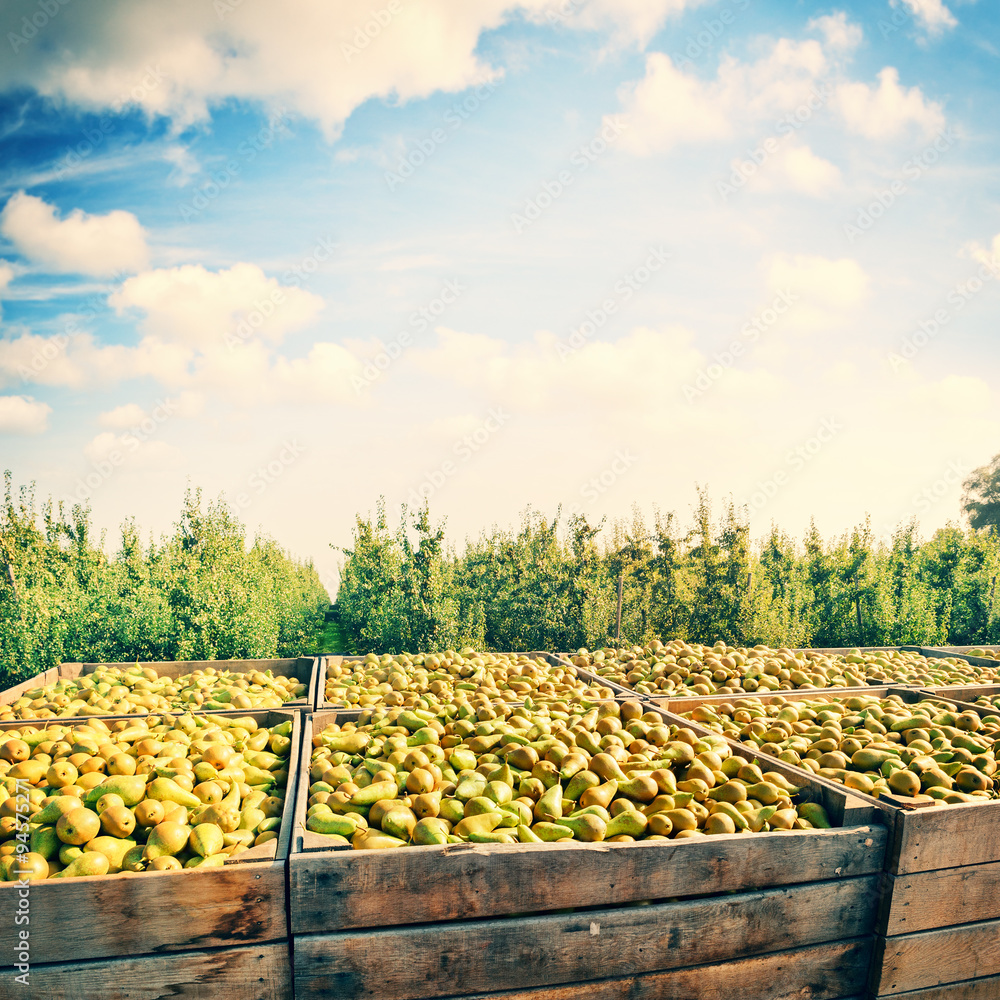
(931, 958)
(928, 900)
(987, 988)
(944, 837)
(821, 972)
(115, 915)
(249, 973)
(541, 951)
(333, 891)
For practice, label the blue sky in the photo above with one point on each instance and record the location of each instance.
(575, 252)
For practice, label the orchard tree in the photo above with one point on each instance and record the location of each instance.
(981, 496)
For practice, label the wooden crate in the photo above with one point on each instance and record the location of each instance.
(303, 668)
(938, 926)
(555, 659)
(941, 653)
(203, 932)
(436, 921)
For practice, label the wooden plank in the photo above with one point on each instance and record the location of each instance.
(987, 988)
(820, 972)
(338, 890)
(532, 952)
(249, 973)
(113, 915)
(931, 958)
(927, 900)
(944, 837)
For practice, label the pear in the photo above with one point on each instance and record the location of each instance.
(166, 838)
(580, 782)
(550, 833)
(205, 839)
(130, 787)
(549, 806)
(600, 795)
(94, 863)
(628, 821)
(113, 848)
(587, 827)
(167, 790)
(606, 767)
(641, 788)
(485, 822)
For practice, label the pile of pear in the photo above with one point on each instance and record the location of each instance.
(151, 795)
(137, 690)
(929, 751)
(680, 669)
(422, 680)
(610, 772)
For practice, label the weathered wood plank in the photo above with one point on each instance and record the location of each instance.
(987, 988)
(249, 973)
(11, 695)
(928, 900)
(346, 889)
(541, 951)
(113, 915)
(820, 972)
(931, 958)
(945, 837)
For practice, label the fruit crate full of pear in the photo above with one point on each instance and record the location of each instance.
(485, 845)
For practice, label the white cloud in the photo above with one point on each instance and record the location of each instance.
(842, 284)
(840, 33)
(795, 167)
(122, 416)
(6, 277)
(887, 111)
(932, 15)
(98, 245)
(669, 107)
(320, 59)
(23, 415)
(195, 306)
